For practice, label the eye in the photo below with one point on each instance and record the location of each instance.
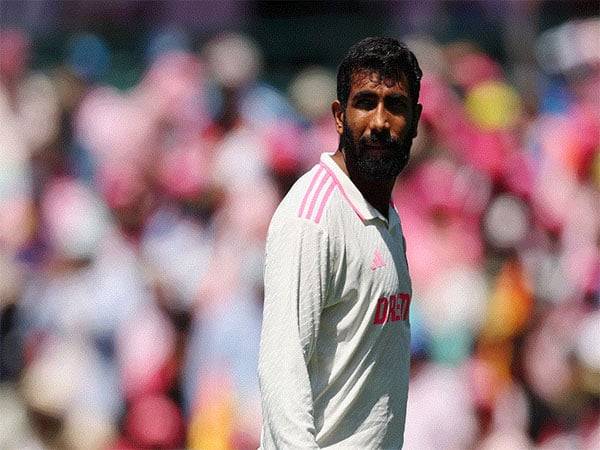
(366, 102)
(396, 105)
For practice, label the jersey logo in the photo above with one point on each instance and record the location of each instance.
(378, 260)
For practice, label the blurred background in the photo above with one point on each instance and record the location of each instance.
(145, 145)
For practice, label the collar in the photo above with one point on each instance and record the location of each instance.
(353, 196)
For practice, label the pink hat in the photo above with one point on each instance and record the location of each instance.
(155, 421)
(182, 171)
(473, 68)
(282, 142)
(14, 53)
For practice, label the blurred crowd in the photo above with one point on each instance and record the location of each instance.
(133, 225)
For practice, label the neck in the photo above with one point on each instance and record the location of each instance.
(376, 193)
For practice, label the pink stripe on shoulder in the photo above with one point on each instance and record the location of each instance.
(324, 201)
(339, 185)
(309, 190)
(315, 196)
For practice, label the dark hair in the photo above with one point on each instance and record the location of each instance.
(387, 56)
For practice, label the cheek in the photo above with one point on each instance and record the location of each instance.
(358, 125)
(353, 127)
(401, 127)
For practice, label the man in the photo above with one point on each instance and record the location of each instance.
(334, 355)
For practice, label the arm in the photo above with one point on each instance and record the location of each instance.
(295, 287)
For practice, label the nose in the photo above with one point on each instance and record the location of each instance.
(379, 119)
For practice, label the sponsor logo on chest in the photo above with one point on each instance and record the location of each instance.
(392, 308)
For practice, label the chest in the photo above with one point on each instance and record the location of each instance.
(371, 263)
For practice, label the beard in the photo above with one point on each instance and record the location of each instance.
(384, 165)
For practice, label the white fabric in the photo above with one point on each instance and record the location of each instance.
(333, 372)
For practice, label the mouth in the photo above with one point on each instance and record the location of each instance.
(369, 143)
(376, 149)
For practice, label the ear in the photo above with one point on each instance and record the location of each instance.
(415, 124)
(338, 115)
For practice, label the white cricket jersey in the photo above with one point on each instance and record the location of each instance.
(334, 356)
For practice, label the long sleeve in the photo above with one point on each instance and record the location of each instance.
(296, 274)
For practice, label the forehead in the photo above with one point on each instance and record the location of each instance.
(367, 79)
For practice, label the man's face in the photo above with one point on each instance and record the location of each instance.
(377, 126)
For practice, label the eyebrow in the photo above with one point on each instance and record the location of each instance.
(400, 97)
(365, 93)
(368, 93)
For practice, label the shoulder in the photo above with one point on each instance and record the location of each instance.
(309, 198)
